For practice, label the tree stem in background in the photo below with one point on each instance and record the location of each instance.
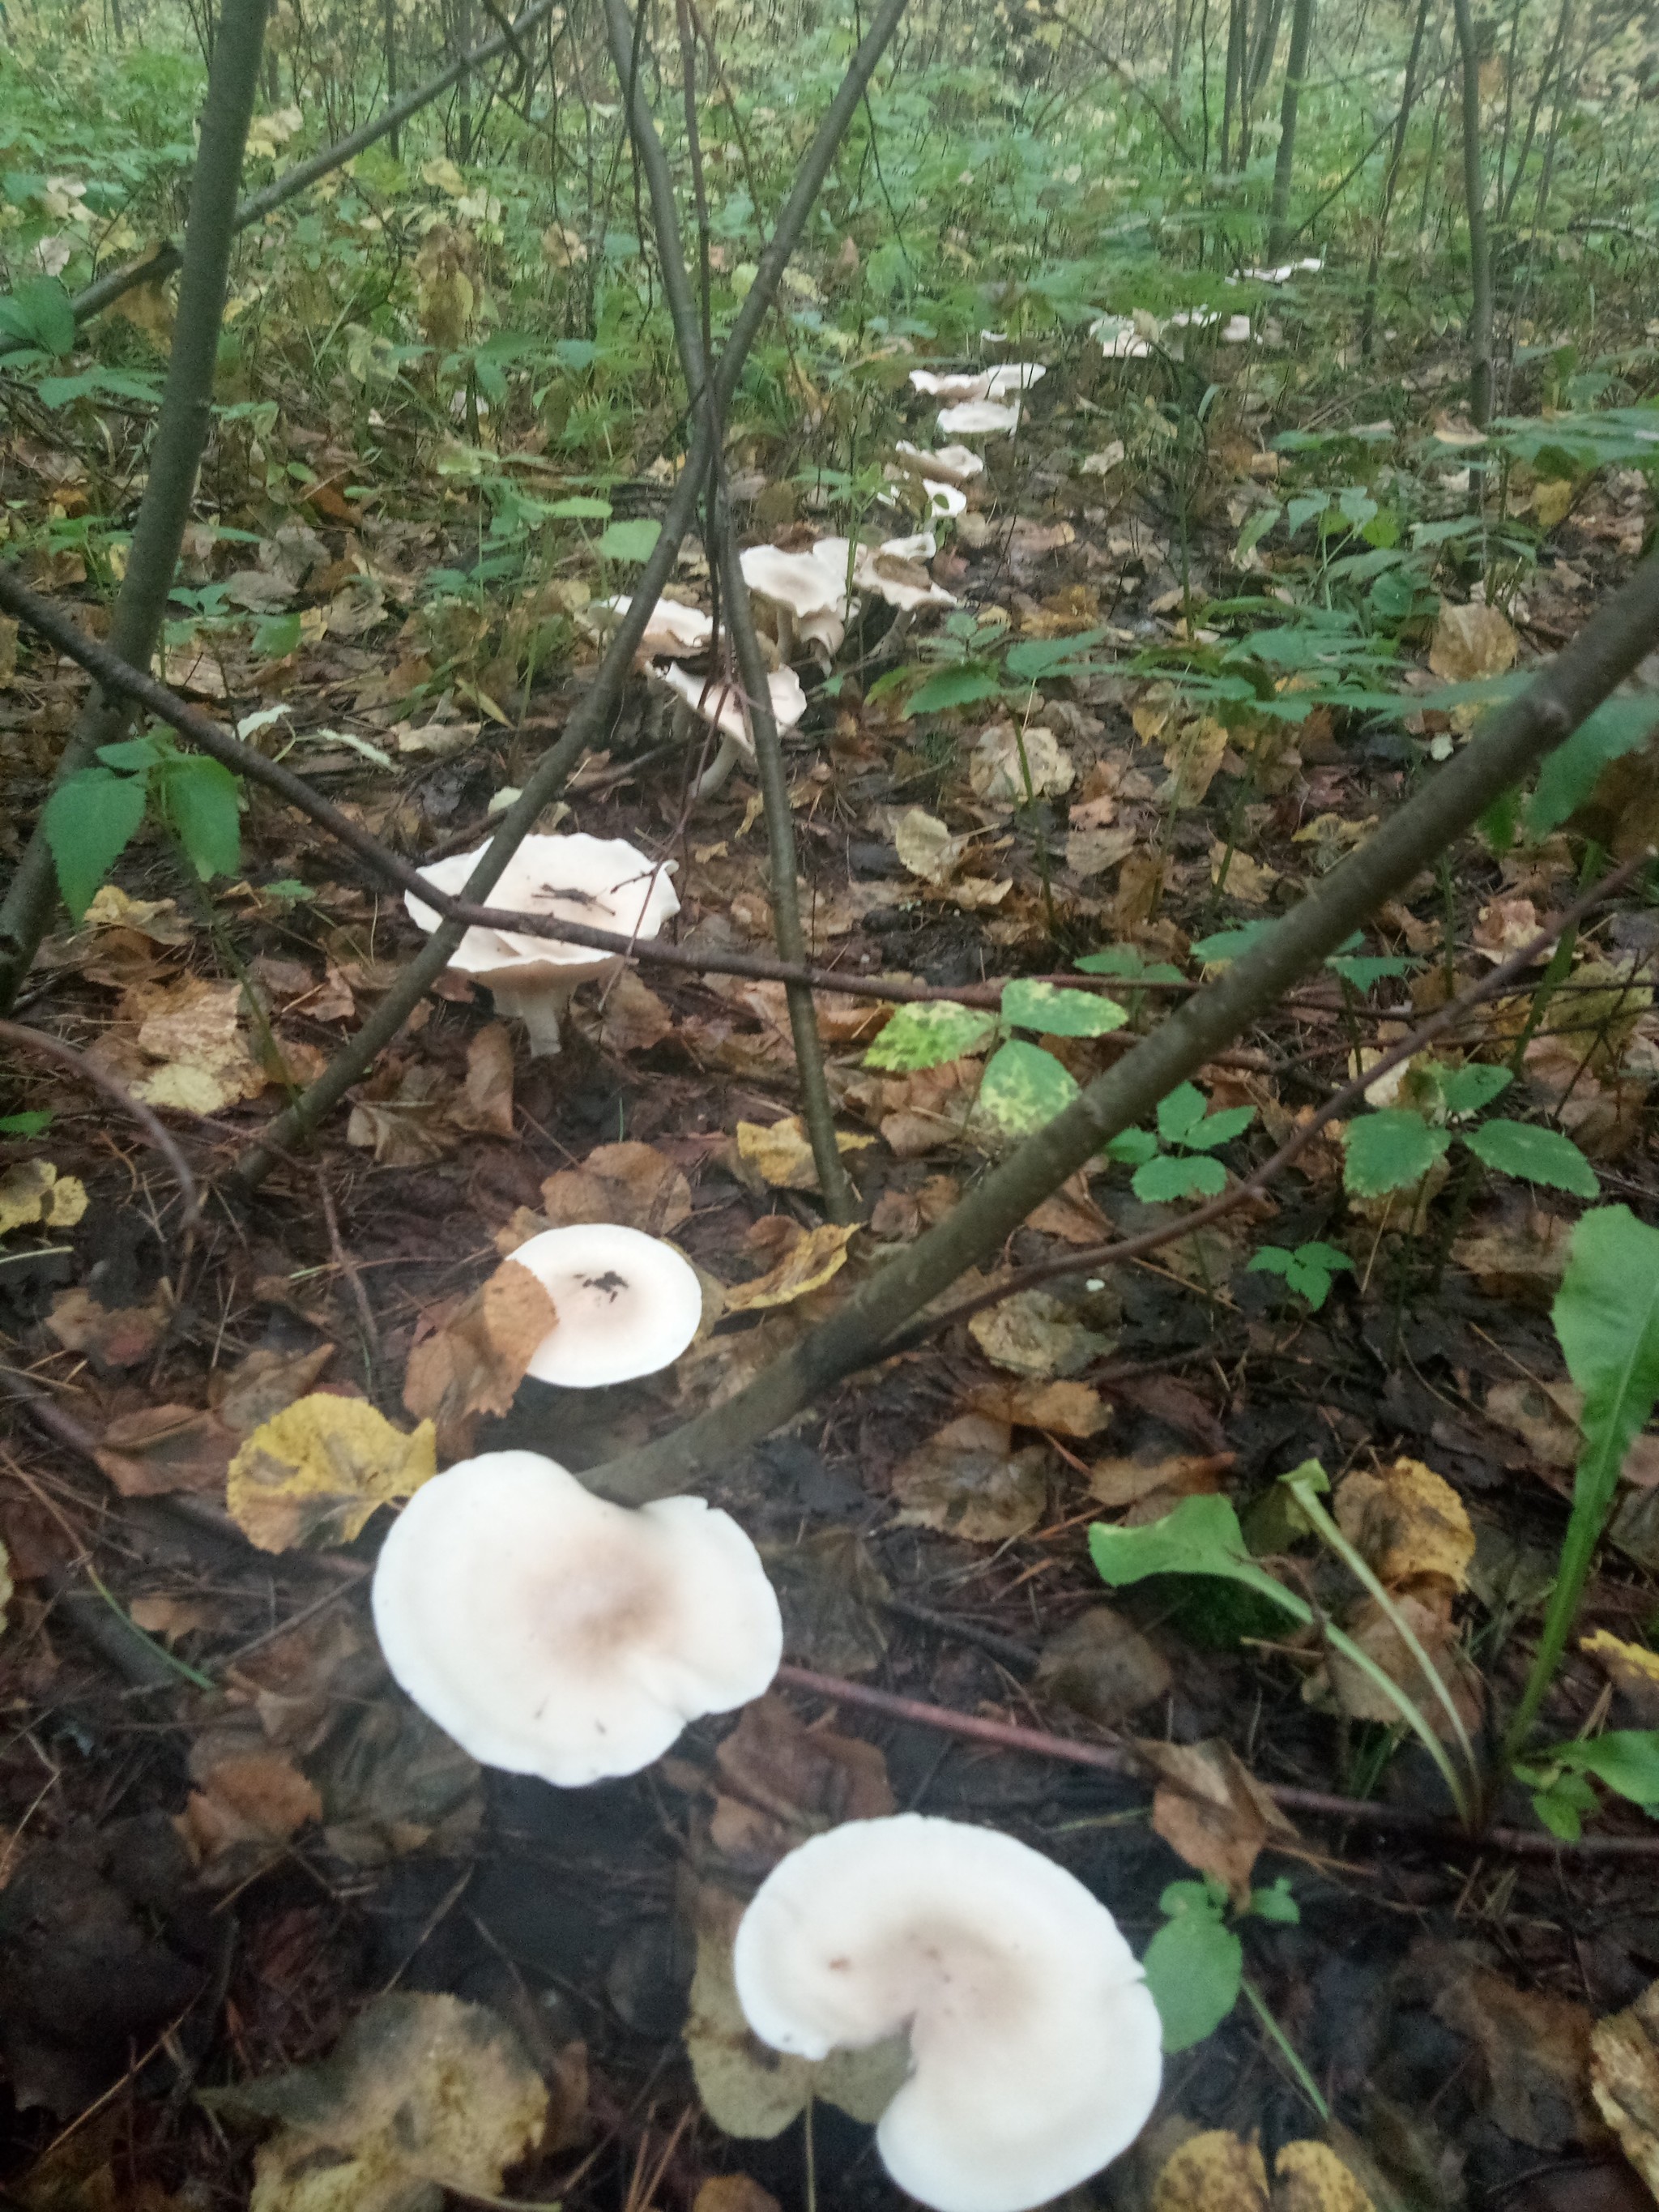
(1480, 310)
(1278, 221)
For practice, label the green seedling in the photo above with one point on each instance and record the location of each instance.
(91, 820)
(1179, 1161)
(1309, 1270)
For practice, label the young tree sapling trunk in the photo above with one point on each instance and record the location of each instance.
(1278, 222)
(1480, 310)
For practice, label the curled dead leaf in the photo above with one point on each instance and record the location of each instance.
(779, 1152)
(475, 1361)
(968, 1482)
(811, 1258)
(1208, 1806)
(1407, 1523)
(485, 1104)
(1035, 1334)
(629, 1184)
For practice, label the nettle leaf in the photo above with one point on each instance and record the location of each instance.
(630, 541)
(1466, 1090)
(1535, 1155)
(1051, 1008)
(1024, 1088)
(1363, 973)
(1180, 1112)
(1173, 1175)
(1307, 1271)
(1193, 1966)
(90, 822)
(953, 687)
(928, 1034)
(1390, 1150)
(201, 799)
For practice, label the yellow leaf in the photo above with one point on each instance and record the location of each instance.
(312, 1475)
(779, 1153)
(1631, 1669)
(1407, 1523)
(1212, 2172)
(1625, 2081)
(1551, 501)
(26, 1193)
(1470, 642)
(808, 1265)
(1309, 2177)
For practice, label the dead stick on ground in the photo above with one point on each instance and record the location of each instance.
(1507, 746)
(22, 1038)
(1107, 1758)
(1254, 1184)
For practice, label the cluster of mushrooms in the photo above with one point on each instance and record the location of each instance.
(552, 1633)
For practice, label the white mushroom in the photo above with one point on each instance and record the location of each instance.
(979, 418)
(1236, 331)
(628, 1304)
(721, 704)
(951, 464)
(675, 631)
(945, 502)
(551, 1633)
(982, 384)
(1118, 338)
(604, 882)
(1035, 2043)
(1310, 266)
(804, 603)
(892, 569)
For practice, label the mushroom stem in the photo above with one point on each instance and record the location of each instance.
(787, 639)
(897, 630)
(540, 1007)
(715, 775)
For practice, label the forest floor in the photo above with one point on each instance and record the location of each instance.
(226, 1833)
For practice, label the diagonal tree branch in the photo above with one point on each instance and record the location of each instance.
(1509, 744)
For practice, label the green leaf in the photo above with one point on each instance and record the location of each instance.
(1572, 771)
(954, 687)
(1200, 1537)
(1535, 1155)
(1277, 1904)
(927, 1035)
(90, 822)
(580, 507)
(277, 636)
(1133, 1147)
(1218, 1129)
(1061, 1012)
(1466, 1090)
(1173, 1175)
(1561, 1807)
(25, 1124)
(40, 313)
(1272, 1259)
(1129, 962)
(136, 756)
(1180, 1112)
(201, 798)
(1024, 1088)
(1390, 1150)
(1363, 973)
(1194, 1966)
(1230, 944)
(1304, 508)
(1626, 1760)
(1607, 1317)
(630, 541)
(1036, 658)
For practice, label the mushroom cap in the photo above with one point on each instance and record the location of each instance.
(953, 465)
(979, 418)
(549, 1632)
(1118, 338)
(880, 569)
(673, 630)
(1036, 2046)
(721, 703)
(628, 1304)
(794, 580)
(944, 502)
(605, 882)
(981, 384)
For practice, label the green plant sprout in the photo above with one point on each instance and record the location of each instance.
(1193, 1135)
(92, 818)
(1308, 1270)
(1194, 1964)
(1394, 1148)
(1022, 1086)
(1624, 1760)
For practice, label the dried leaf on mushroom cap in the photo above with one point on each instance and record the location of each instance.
(979, 418)
(628, 1305)
(1035, 2046)
(549, 1632)
(673, 630)
(892, 569)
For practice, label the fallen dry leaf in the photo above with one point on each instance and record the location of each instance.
(245, 1793)
(1101, 1665)
(1470, 642)
(968, 1481)
(1065, 1409)
(1011, 766)
(173, 1618)
(632, 1184)
(312, 1476)
(734, 2193)
(1149, 1487)
(34, 1192)
(1535, 2049)
(1210, 1808)
(1407, 1523)
(111, 1336)
(781, 1782)
(927, 848)
(1427, 1613)
(1309, 2177)
(780, 1155)
(1625, 2081)
(1033, 1333)
(162, 1449)
(403, 1116)
(258, 1387)
(475, 1361)
(1214, 2171)
(191, 1028)
(421, 2094)
(485, 1104)
(628, 1017)
(1631, 1669)
(811, 1257)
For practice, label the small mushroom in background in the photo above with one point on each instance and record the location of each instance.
(1119, 339)
(605, 883)
(676, 632)
(1035, 2046)
(549, 1632)
(979, 418)
(801, 602)
(951, 464)
(985, 384)
(628, 1304)
(721, 703)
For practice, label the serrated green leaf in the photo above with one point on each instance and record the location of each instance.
(1193, 1966)
(954, 687)
(89, 821)
(1272, 1259)
(1179, 1112)
(928, 1034)
(1172, 1175)
(630, 541)
(1362, 972)
(1050, 1007)
(1466, 1090)
(1024, 1088)
(1216, 1129)
(1390, 1150)
(1132, 1148)
(135, 755)
(1035, 659)
(1534, 1155)
(202, 797)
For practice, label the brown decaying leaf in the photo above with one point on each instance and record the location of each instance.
(1427, 1613)
(475, 1361)
(402, 1115)
(1150, 1488)
(809, 1258)
(628, 1017)
(780, 1155)
(968, 1482)
(1033, 1333)
(485, 1104)
(258, 1387)
(629, 1184)
(111, 1336)
(312, 1476)
(1072, 1215)
(1063, 1409)
(245, 1793)
(191, 1028)
(782, 1782)
(734, 2193)
(162, 1449)
(1625, 2081)
(1101, 1665)
(1210, 1808)
(1407, 1523)
(1535, 2051)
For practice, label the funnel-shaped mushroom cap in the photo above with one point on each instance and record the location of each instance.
(982, 384)
(891, 570)
(794, 580)
(1036, 2046)
(628, 1304)
(551, 1633)
(956, 464)
(979, 418)
(605, 882)
(721, 703)
(673, 630)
